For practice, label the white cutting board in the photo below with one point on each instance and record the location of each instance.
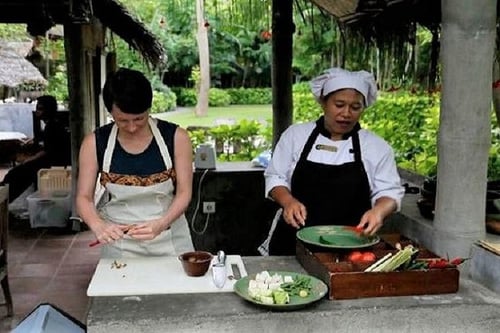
(152, 276)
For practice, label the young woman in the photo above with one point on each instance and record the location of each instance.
(145, 166)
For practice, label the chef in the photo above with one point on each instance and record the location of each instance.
(331, 171)
(145, 167)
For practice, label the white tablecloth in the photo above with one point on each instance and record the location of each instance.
(5, 136)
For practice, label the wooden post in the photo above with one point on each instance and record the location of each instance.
(79, 43)
(282, 42)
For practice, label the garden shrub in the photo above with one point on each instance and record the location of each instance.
(409, 123)
(218, 97)
(249, 96)
(163, 101)
(185, 96)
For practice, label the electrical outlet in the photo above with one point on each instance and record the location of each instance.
(208, 207)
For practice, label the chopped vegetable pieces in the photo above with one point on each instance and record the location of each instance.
(277, 289)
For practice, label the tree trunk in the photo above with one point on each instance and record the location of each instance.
(204, 84)
(431, 85)
(464, 130)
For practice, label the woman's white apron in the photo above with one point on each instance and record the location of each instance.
(130, 204)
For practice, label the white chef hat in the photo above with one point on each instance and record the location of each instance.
(334, 79)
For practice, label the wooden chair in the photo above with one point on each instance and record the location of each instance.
(4, 235)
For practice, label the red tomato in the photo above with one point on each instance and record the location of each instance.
(355, 256)
(368, 256)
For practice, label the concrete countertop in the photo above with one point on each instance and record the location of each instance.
(473, 309)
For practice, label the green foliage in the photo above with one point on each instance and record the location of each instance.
(250, 95)
(494, 160)
(245, 141)
(240, 142)
(185, 96)
(163, 101)
(305, 107)
(128, 57)
(409, 123)
(188, 97)
(218, 97)
(195, 76)
(197, 136)
(13, 32)
(58, 84)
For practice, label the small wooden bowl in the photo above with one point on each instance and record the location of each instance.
(196, 263)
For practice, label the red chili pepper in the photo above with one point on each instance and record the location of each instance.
(457, 261)
(438, 263)
(357, 230)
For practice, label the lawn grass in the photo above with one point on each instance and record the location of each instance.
(185, 118)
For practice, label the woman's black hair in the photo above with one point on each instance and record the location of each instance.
(129, 90)
(49, 105)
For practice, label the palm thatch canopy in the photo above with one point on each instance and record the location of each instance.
(41, 15)
(113, 15)
(392, 12)
(15, 70)
(384, 20)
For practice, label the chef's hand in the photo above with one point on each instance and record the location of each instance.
(295, 213)
(147, 230)
(372, 220)
(107, 233)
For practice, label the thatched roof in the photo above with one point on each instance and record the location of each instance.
(41, 15)
(388, 23)
(390, 12)
(16, 70)
(113, 15)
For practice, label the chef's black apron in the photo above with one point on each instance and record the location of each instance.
(332, 194)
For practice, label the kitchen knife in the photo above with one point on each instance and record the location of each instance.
(219, 273)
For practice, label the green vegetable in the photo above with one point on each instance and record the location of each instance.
(378, 263)
(266, 299)
(303, 293)
(299, 283)
(397, 260)
(280, 297)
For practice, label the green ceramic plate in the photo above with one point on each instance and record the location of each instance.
(335, 236)
(318, 291)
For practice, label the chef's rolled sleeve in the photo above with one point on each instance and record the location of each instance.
(385, 180)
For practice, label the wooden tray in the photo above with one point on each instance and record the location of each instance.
(347, 280)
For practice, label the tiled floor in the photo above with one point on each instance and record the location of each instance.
(48, 266)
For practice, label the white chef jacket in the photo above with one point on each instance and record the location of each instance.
(376, 154)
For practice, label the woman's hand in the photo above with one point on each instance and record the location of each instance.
(107, 233)
(148, 230)
(295, 213)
